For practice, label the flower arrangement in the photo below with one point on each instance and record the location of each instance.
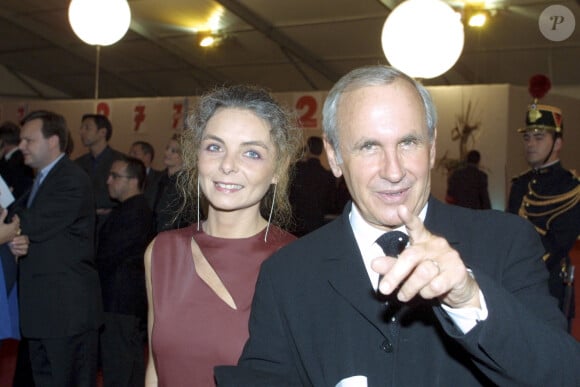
(463, 132)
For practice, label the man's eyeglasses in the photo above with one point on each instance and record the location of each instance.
(115, 175)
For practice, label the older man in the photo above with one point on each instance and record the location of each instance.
(465, 304)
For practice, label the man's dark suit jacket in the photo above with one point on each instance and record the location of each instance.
(151, 186)
(16, 174)
(58, 281)
(123, 240)
(167, 204)
(312, 195)
(315, 319)
(99, 172)
(467, 187)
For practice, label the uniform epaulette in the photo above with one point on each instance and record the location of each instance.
(521, 174)
(572, 174)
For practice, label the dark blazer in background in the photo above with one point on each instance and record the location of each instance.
(16, 174)
(98, 170)
(122, 243)
(312, 195)
(315, 319)
(167, 205)
(152, 186)
(467, 187)
(58, 281)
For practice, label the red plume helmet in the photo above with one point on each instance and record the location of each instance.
(542, 117)
(539, 85)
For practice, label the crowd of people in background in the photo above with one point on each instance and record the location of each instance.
(105, 259)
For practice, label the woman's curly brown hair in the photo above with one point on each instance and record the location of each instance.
(285, 134)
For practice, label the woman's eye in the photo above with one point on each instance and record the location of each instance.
(213, 148)
(253, 155)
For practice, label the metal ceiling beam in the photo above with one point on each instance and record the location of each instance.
(179, 54)
(45, 33)
(391, 4)
(279, 38)
(17, 75)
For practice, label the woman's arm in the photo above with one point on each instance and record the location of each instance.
(151, 373)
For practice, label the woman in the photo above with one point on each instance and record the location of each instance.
(239, 147)
(12, 245)
(167, 197)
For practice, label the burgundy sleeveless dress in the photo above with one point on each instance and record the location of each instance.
(193, 329)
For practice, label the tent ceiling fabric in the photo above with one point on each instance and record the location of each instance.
(298, 45)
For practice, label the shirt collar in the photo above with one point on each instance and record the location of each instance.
(366, 234)
(9, 154)
(44, 171)
(548, 164)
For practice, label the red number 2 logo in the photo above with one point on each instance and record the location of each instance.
(308, 118)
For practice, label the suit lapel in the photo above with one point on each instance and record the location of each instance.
(438, 222)
(348, 276)
(47, 180)
(19, 203)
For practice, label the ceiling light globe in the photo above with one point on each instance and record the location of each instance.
(99, 22)
(423, 38)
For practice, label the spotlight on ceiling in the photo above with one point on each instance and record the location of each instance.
(209, 39)
(477, 19)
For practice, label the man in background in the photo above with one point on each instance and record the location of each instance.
(123, 239)
(60, 300)
(548, 195)
(96, 131)
(313, 190)
(145, 152)
(467, 185)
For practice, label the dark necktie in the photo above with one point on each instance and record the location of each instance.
(393, 243)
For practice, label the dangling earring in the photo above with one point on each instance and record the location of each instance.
(198, 210)
(271, 212)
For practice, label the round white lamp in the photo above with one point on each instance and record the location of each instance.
(99, 22)
(423, 38)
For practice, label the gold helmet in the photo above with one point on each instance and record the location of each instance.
(539, 117)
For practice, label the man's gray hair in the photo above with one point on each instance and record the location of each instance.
(370, 76)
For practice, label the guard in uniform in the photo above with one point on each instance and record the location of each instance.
(549, 195)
